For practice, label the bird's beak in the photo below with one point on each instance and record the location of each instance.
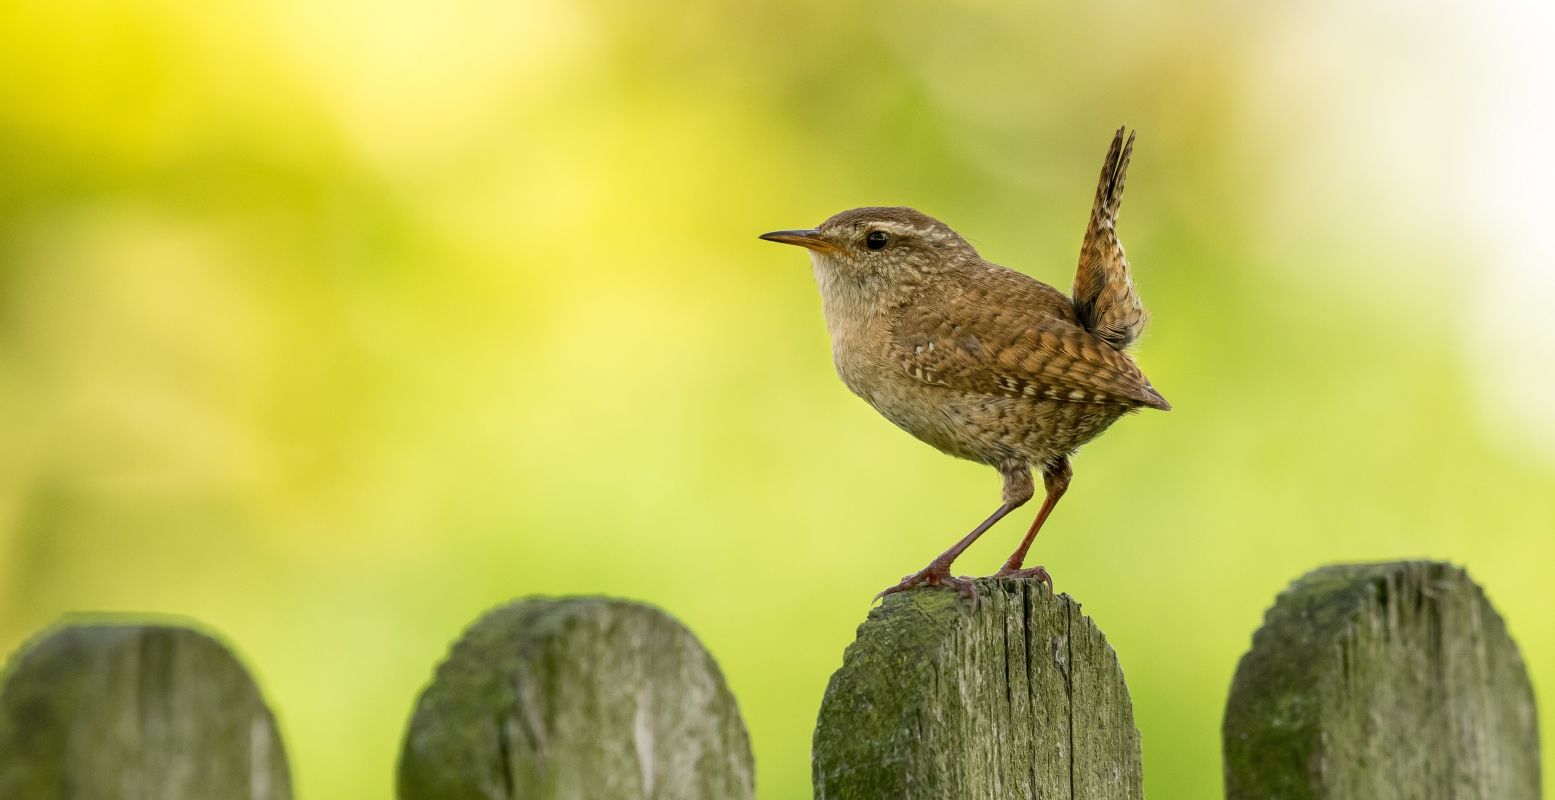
(808, 238)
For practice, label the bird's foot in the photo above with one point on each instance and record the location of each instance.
(935, 574)
(1037, 573)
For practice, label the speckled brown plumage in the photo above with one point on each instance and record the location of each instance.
(1104, 294)
(980, 361)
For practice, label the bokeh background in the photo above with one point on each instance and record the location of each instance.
(333, 324)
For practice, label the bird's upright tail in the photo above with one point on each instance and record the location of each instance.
(1104, 294)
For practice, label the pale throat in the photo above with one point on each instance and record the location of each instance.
(848, 304)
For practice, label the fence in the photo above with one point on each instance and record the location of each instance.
(1366, 681)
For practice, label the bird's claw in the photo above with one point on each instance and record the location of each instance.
(1039, 574)
(934, 575)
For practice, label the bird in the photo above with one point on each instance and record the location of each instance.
(980, 361)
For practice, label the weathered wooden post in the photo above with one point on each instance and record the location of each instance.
(583, 698)
(1021, 698)
(1382, 681)
(135, 710)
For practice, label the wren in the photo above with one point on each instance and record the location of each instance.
(980, 361)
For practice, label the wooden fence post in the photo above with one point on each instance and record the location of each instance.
(132, 710)
(1022, 698)
(1377, 681)
(1386, 682)
(583, 698)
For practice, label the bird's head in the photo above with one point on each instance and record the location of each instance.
(879, 248)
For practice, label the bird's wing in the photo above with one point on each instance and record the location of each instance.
(1104, 294)
(994, 349)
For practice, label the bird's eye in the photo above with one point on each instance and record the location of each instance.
(876, 240)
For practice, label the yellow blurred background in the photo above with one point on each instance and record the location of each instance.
(333, 324)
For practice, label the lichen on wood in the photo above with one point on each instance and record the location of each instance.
(1386, 681)
(584, 698)
(135, 711)
(1021, 698)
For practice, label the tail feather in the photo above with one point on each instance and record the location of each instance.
(1104, 294)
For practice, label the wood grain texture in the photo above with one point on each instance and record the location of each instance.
(1386, 682)
(1021, 698)
(584, 698)
(93, 711)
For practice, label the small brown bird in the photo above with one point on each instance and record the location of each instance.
(980, 361)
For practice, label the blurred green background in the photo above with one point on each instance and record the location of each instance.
(334, 324)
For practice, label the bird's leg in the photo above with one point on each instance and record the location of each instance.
(1017, 490)
(937, 573)
(1055, 476)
